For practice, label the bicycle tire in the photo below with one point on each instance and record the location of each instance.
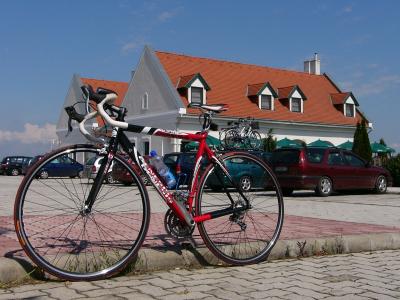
(231, 139)
(254, 140)
(61, 239)
(262, 223)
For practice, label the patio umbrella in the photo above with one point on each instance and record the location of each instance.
(211, 141)
(320, 143)
(346, 145)
(379, 148)
(287, 143)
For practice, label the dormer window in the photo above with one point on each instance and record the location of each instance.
(266, 102)
(194, 88)
(349, 108)
(196, 95)
(293, 98)
(346, 103)
(295, 104)
(263, 94)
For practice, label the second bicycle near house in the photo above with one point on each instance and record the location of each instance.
(242, 134)
(90, 228)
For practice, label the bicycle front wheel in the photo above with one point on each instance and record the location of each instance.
(60, 236)
(247, 236)
(232, 139)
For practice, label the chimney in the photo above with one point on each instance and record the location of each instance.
(313, 66)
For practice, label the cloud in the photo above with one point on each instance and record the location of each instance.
(130, 46)
(168, 14)
(372, 86)
(32, 133)
(134, 44)
(347, 9)
(377, 85)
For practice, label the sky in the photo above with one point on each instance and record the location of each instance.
(43, 43)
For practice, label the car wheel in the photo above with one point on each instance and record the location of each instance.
(381, 185)
(44, 174)
(245, 183)
(324, 187)
(14, 172)
(109, 178)
(287, 192)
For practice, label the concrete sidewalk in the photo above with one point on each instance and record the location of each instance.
(312, 226)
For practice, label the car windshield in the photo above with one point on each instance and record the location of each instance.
(289, 156)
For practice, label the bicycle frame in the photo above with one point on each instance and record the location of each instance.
(184, 213)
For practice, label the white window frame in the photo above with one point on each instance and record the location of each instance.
(197, 84)
(145, 101)
(345, 110)
(301, 105)
(272, 102)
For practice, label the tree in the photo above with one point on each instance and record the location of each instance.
(361, 143)
(357, 139)
(269, 143)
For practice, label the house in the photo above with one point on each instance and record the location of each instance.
(75, 97)
(297, 105)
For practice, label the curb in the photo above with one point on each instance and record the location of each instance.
(13, 271)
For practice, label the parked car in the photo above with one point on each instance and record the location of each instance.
(12, 165)
(245, 173)
(181, 165)
(30, 163)
(92, 166)
(120, 173)
(325, 170)
(63, 166)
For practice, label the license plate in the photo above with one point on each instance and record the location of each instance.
(281, 169)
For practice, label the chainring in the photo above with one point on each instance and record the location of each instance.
(175, 227)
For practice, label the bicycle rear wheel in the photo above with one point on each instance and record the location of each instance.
(248, 236)
(254, 140)
(56, 232)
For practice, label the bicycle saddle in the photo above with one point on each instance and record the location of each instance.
(217, 108)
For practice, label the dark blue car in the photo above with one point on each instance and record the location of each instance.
(63, 166)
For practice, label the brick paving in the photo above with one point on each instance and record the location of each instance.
(295, 227)
(372, 275)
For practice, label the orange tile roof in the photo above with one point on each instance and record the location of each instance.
(339, 98)
(253, 89)
(183, 80)
(230, 81)
(117, 86)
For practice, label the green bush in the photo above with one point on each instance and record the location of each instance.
(393, 166)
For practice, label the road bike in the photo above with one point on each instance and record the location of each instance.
(86, 229)
(242, 134)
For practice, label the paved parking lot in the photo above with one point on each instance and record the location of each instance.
(362, 207)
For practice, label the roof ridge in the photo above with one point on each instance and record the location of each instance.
(238, 63)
